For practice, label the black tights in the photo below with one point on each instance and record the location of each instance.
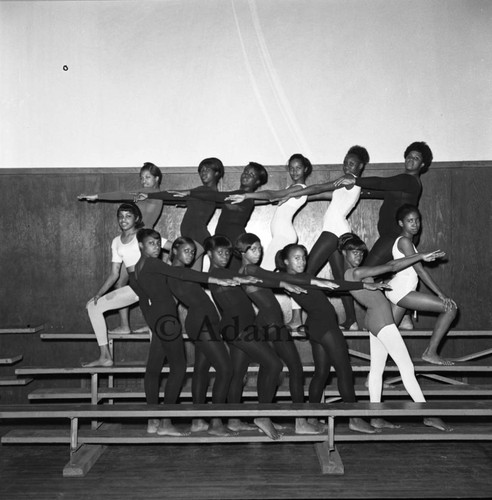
(210, 351)
(243, 351)
(159, 350)
(285, 348)
(326, 249)
(331, 350)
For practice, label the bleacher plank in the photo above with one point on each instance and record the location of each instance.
(7, 381)
(53, 393)
(11, 360)
(22, 329)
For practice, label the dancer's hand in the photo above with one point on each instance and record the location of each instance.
(331, 285)
(345, 180)
(449, 304)
(247, 280)
(94, 299)
(234, 199)
(432, 256)
(88, 197)
(292, 288)
(223, 281)
(139, 197)
(376, 286)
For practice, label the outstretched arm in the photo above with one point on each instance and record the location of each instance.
(393, 266)
(114, 195)
(268, 195)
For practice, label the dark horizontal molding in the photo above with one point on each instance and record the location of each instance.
(446, 165)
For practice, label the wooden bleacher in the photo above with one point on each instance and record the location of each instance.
(84, 453)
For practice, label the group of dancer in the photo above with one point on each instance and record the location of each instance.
(238, 320)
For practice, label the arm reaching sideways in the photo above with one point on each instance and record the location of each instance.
(393, 266)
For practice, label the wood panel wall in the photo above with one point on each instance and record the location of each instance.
(55, 249)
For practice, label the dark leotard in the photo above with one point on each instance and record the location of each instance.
(327, 341)
(159, 310)
(197, 215)
(395, 191)
(238, 328)
(202, 325)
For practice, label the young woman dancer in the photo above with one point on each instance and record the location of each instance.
(150, 281)
(327, 341)
(199, 211)
(384, 335)
(233, 218)
(281, 226)
(237, 327)
(403, 294)
(270, 319)
(395, 191)
(125, 250)
(335, 223)
(202, 326)
(150, 181)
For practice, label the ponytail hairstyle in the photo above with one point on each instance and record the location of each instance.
(244, 242)
(153, 170)
(284, 254)
(178, 242)
(133, 209)
(350, 241)
(308, 167)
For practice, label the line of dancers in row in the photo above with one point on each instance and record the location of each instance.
(228, 333)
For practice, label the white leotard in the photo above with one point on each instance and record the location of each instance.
(127, 253)
(342, 203)
(282, 228)
(403, 282)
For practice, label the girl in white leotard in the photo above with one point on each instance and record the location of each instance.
(335, 224)
(125, 250)
(384, 336)
(281, 226)
(150, 181)
(404, 295)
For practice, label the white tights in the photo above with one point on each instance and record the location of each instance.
(117, 299)
(389, 341)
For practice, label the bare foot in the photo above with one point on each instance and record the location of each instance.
(143, 329)
(153, 425)
(199, 425)
(435, 359)
(304, 427)
(437, 423)
(350, 325)
(265, 425)
(120, 329)
(381, 423)
(236, 425)
(166, 428)
(99, 362)
(282, 427)
(322, 426)
(359, 425)
(217, 428)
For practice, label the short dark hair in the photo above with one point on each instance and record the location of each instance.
(406, 209)
(424, 150)
(214, 164)
(153, 169)
(308, 167)
(350, 241)
(217, 241)
(361, 153)
(132, 208)
(284, 253)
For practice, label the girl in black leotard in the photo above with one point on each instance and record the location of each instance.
(150, 282)
(234, 217)
(199, 211)
(202, 325)
(270, 318)
(237, 326)
(327, 341)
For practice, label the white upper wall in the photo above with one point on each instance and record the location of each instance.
(173, 82)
